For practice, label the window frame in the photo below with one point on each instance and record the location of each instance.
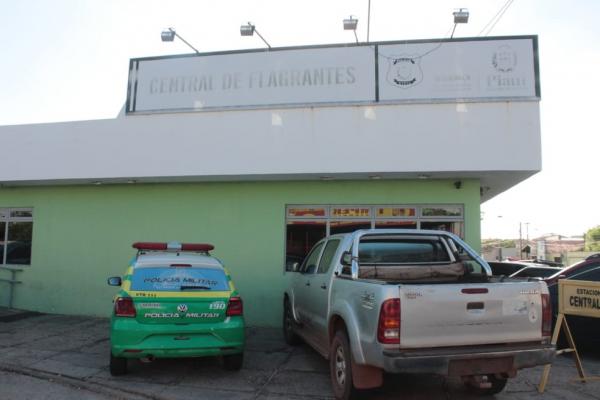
(418, 218)
(7, 218)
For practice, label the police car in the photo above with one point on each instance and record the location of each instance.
(176, 300)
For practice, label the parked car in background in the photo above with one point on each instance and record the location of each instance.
(543, 262)
(176, 300)
(536, 272)
(508, 268)
(586, 331)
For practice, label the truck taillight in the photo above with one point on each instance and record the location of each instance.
(235, 306)
(124, 307)
(546, 315)
(388, 330)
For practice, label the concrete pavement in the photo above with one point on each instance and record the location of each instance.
(66, 357)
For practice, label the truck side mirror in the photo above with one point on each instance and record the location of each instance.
(114, 281)
(346, 258)
(295, 266)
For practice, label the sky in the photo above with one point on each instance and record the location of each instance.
(66, 60)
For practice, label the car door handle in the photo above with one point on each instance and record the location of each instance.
(323, 286)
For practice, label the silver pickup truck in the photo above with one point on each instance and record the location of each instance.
(414, 301)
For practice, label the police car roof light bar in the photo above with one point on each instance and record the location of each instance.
(173, 246)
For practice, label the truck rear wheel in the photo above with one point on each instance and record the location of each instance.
(289, 335)
(340, 367)
(498, 385)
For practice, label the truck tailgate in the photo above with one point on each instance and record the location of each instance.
(437, 315)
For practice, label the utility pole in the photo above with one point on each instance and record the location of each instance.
(520, 241)
(368, 21)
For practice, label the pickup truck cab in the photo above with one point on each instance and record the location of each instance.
(414, 301)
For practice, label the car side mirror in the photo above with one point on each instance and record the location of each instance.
(114, 281)
(346, 258)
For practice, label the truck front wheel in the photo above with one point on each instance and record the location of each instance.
(340, 367)
(289, 335)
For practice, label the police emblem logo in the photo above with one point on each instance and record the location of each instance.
(404, 71)
(182, 308)
(504, 59)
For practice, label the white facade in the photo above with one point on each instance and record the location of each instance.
(498, 142)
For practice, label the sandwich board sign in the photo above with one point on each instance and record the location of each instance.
(581, 298)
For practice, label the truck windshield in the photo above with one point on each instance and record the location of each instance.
(162, 279)
(400, 251)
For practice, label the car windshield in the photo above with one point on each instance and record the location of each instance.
(162, 279)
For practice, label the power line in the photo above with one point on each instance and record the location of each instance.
(496, 18)
(436, 46)
(499, 18)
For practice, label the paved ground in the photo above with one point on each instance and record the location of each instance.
(64, 357)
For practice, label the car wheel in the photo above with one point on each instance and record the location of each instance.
(498, 385)
(289, 335)
(340, 367)
(118, 365)
(233, 362)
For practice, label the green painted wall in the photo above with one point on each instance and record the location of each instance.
(83, 234)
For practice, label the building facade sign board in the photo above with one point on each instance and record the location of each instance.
(579, 298)
(391, 72)
(254, 79)
(481, 69)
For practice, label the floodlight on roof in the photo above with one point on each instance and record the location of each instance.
(461, 16)
(249, 29)
(168, 35)
(350, 24)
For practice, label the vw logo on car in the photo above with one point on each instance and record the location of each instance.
(182, 308)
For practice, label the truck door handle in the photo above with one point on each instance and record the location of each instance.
(323, 286)
(307, 283)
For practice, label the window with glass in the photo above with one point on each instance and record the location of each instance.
(327, 257)
(307, 224)
(16, 231)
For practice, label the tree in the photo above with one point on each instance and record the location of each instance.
(592, 239)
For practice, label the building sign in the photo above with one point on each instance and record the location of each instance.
(579, 298)
(390, 72)
(254, 79)
(479, 69)
(351, 212)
